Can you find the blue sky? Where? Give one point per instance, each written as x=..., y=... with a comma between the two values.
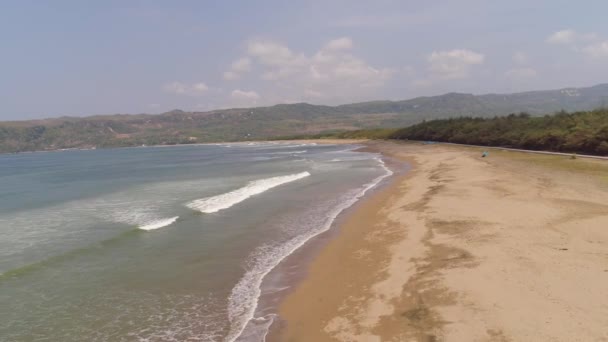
x=102, y=57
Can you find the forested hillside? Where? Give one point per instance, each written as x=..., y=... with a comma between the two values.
x=179, y=127
x=582, y=132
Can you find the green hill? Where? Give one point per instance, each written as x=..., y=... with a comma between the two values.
x=178, y=127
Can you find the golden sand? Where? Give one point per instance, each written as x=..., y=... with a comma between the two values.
x=507, y=248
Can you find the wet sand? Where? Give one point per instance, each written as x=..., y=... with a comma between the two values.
x=513, y=247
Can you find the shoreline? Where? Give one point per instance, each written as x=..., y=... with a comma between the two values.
x=462, y=248
x=266, y=309
x=292, y=270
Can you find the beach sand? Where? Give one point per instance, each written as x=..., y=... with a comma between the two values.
x=513, y=247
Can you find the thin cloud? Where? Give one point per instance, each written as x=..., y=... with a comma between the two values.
x=562, y=37
x=453, y=64
x=569, y=37
x=344, y=43
x=588, y=43
x=333, y=73
x=237, y=68
x=598, y=50
x=180, y=88
x=244, y=95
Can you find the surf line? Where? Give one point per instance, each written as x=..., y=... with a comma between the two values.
x=224, y=201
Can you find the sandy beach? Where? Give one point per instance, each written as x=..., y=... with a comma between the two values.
x=513, y=247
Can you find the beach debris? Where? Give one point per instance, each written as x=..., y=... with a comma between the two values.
x=484, y=154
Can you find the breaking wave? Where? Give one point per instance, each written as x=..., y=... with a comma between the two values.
x=224, y=201
x=155, y=224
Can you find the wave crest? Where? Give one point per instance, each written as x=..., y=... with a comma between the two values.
x=224, y=201
x=155, y=224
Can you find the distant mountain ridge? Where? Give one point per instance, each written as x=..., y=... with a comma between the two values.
x=236, y=124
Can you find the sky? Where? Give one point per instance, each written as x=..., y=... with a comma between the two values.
x=81, y=58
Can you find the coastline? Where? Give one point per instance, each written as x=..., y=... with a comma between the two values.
x=281, y=277
x=292, y=270
x=462, y=249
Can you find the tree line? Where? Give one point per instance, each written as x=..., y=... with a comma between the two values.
x=579, y=132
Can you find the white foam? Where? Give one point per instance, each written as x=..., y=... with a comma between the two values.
x=290, y=152
x=299, y=145
x=224, y=201
x=243, y=300
x=158, y=223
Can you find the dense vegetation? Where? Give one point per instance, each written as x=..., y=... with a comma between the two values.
x=582, y=132
x=179, y=127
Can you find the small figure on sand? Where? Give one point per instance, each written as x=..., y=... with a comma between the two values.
x=484, y=154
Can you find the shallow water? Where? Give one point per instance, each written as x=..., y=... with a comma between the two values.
x=160, y=243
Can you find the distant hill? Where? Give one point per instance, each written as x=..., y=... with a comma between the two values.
x=178, y=127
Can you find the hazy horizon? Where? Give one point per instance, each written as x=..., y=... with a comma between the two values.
x=70, y=58
x=283, y=103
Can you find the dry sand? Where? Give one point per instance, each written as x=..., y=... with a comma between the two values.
x=507, y=248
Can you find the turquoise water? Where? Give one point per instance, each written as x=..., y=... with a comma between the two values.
x=161, y=243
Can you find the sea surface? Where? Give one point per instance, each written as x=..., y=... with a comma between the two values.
x=162, y=243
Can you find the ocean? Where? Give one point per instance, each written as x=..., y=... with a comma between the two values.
x=162, y=243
